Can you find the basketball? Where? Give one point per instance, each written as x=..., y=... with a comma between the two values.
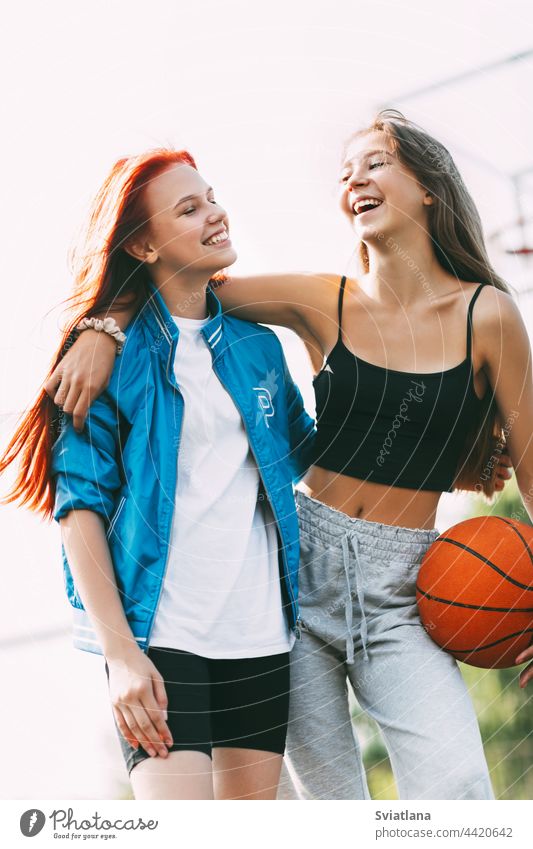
x=475, y=591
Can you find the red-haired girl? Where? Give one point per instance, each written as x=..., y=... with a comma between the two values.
x=176, y=500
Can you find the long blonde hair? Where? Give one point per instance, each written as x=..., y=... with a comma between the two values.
x=456, y=233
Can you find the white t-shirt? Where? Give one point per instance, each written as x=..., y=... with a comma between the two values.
x=221, y=596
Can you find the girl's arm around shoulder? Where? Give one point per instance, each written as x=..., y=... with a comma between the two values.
x=85, y=370
x=304, y=302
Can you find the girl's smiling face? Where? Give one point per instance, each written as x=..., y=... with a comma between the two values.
x=380, y=196
x=186, y=228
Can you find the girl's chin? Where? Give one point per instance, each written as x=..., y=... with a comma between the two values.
x=223, y=258
x=370, y=234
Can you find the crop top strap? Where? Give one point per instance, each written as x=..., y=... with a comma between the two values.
x=341, y=298
x=469, y=321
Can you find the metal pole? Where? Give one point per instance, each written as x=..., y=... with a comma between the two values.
x=458, y=78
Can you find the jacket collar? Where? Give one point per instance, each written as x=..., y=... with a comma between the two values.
x=164, y=329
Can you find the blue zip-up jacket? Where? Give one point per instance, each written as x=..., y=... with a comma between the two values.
x=124, y=463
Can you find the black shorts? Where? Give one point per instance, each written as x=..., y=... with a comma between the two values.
x=241, y=703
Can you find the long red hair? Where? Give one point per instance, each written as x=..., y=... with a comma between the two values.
x=105, y=277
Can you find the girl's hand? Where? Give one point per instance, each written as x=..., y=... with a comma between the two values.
x=527, y=673
x=503, y=472
x=139, y=702
x=82, y=375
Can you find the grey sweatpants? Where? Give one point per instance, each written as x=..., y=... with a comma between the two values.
x=361, y=624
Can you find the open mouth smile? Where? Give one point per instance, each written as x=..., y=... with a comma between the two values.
x=218, y=238
x=365, y=205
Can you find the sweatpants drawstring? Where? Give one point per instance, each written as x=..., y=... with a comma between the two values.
x=359, y=587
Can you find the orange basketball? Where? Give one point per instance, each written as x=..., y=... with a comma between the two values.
x=475, y=591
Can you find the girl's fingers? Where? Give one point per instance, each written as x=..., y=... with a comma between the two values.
x=63, y=390
x=135, y=711
x=52, y=384
x=68, y=394
x=124, y=729
x=135, y=730
x=527, y=654
x=526, y=675
x=159, y=712
x=79, y=413
x=504, y=468
x=153, y=742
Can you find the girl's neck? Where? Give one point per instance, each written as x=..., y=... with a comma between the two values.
x=184, y=295
x=403, y=272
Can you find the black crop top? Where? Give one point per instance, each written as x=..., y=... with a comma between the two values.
x=393, y=427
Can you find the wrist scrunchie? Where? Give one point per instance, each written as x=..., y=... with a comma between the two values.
x=105, y=325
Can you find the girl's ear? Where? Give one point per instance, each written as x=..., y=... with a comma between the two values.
x=141, y=251
x=428, y=199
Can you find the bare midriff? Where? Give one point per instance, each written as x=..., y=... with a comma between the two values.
x=375, y=502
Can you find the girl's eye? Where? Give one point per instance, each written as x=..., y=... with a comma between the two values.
x=344, y=178
x=376, y=164
x=192, y=209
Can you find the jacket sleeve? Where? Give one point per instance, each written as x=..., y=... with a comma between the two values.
x=302, y=430
x=86, y=465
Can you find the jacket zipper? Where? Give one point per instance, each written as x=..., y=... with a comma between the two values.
x=297, y=621
x=171, y=516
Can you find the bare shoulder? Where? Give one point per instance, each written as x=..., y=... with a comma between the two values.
x=321, y=307
x=317, y=289
x=499, y=328
x=496, y=310
x=316, y=297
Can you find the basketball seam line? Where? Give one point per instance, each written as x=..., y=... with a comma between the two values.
x=487, y=561
x=474, y=606
x=490, y=645
x=517, y=532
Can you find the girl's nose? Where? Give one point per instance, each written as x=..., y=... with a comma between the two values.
x=216, y=213
x=357, y=179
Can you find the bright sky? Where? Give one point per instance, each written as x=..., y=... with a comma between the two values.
x=263, y=95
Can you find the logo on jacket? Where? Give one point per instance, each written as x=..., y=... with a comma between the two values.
x=265, y=396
